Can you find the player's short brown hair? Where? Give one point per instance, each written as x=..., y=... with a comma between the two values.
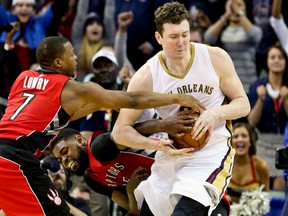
x=171, y=12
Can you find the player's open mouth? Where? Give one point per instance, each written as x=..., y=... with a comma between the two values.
x=73, y=165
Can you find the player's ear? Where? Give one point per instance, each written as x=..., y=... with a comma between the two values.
x=57, y=62
x=158, y=37
x=80, y=139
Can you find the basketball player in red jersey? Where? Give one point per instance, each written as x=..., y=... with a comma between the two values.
x=44, y=101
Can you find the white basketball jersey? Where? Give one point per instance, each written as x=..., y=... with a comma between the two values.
x=199, y=80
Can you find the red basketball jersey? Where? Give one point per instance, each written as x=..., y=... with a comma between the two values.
x=34, y=108
x=117, y=172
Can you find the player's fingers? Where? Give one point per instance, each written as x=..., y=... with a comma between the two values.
x=185, y=112
x=143, y=176
x=178, y=135
x=163, y=143
x=183, y=125
x=199, y=129
x=196, y=130
x=187, y=128
x=201, y=133
x=188, y=120
x=207, y=138
x=141, y=170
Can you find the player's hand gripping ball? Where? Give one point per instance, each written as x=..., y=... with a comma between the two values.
x=187, y=142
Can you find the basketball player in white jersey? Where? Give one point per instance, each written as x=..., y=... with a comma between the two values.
x=187, y=184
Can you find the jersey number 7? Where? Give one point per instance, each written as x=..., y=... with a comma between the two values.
x=28, y=98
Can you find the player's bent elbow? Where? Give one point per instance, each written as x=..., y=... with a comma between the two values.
x=115, y=134
x=247, y=110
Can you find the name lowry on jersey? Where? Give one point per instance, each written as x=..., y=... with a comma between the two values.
x=38, y=83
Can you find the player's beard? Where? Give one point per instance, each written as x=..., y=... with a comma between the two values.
x=83, y=163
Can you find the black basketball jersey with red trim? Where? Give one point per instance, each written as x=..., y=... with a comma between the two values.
x=34, y=110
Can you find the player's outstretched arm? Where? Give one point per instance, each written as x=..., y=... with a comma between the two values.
x=84, y=98
x=175, y=125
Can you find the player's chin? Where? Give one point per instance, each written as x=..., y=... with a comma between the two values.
x=179, y=55
x=74, y=76
x=80, y=170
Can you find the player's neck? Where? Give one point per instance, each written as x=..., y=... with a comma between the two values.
x=177, y=66
x=50, y=70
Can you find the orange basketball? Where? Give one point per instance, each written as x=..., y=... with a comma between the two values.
x=187, y=142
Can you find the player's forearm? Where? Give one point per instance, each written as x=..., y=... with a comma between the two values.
x=237, y=108
x=133, y=204
x=145, y=100
x=89, y=95
x=128, y=136
x=121, y=199
x=148, y=127
x=92, y=94
x=129, y=203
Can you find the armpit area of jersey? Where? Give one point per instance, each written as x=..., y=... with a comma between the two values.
x=103, y=148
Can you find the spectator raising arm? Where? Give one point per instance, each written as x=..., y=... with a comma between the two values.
x=278, y=24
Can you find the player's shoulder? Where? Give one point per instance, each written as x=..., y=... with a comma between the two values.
x=73, y=85
x=221, y=60
x=77, y=86
x=143, y=70
x=217, y=52
x=142, y=79
x=77, y=91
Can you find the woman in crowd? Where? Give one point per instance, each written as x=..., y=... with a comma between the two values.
x=87, y=37
x=246, y=161
x=269, y=107
x=239, y=37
